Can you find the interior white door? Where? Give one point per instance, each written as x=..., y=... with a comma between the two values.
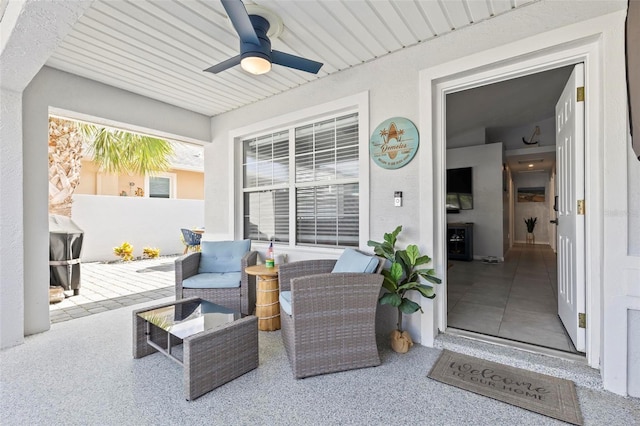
x=570, y=191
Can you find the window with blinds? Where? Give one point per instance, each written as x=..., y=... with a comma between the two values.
x=324, y=184
x=159, y=187
x=266, y=187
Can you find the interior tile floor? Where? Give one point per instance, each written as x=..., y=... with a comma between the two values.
x=515, y=299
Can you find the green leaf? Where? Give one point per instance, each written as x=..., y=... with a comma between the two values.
x=118, y=151
x=390, y=299
x=426, y=291
x=408, y=306
x=422, y=260
x=413, y=253
x=389, y=283
x=431, y=278
x=408, y=286
x=382, y=249
x=403, y=259
x=396, y=272
x=391, y=238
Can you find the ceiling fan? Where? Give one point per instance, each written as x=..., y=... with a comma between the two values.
x=256, y=55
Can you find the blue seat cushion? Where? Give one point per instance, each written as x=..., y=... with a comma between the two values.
x=213, y=280
x=353, y=261
x=222, y=256
x=285, y=301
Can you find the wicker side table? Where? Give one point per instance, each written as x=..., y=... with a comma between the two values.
x=210, y=358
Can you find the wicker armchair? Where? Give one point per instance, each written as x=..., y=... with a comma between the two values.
x=242, y=298
x=332, y=323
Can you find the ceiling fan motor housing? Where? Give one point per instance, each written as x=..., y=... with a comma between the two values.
x=261, y=26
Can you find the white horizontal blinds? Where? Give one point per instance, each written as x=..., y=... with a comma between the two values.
x=265, y=183
x=159, y=187
x=348, y=215
x=266, y=215
x=326, y=171
x=266, y=161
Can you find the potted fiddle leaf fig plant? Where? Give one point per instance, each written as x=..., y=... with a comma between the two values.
x=406, y=274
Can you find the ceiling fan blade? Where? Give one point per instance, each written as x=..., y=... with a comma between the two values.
x=231, y=62
x=293, y=61
x=240, y=20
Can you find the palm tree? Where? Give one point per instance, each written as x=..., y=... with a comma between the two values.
x=65, y=155
x=117, y=151
x=113, y=150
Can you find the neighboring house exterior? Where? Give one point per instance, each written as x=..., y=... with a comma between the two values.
x=184, y=180
x=145, y=211
x=410, y=83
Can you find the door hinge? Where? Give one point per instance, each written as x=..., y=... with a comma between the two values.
x=580, y=94
x=582, y=320
x=581, y=207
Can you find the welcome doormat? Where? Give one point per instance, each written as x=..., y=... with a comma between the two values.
x=536, y=392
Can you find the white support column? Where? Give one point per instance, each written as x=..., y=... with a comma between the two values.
x=28, y=37
x=11, y=221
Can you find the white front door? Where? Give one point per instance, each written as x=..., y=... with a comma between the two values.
x=570, y=192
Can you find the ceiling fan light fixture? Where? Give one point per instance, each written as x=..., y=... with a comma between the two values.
x=255, y=65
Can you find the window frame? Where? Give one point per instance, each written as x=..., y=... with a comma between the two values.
x=173, y=183
x=359, y=104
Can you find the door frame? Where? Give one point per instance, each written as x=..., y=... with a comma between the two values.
x=550, y=50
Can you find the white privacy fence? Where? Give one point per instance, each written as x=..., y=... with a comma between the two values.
x=108, y=221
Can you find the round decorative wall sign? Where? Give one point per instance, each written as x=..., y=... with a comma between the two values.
x=394, y=143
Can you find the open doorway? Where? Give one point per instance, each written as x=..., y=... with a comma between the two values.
x=502, y=280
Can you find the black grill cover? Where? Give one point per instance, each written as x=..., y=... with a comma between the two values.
x=65, y=246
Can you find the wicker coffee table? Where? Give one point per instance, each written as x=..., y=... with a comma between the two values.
x=217, y=344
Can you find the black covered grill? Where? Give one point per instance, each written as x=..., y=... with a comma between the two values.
x=65, y=246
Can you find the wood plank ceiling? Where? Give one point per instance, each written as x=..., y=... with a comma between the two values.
x=158, y=49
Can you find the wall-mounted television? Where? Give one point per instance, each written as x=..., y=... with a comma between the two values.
x=459, y=189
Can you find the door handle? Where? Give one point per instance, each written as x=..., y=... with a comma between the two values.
x=554, y=221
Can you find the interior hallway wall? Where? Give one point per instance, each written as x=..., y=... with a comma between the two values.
x=511, y=137
x=487, y=214
x=506, y=205
x=525, y=210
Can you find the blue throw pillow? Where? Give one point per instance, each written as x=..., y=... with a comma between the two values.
x=222, y=256
x=353, y=261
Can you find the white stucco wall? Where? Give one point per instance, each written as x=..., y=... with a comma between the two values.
x=394, y=88
x=634, y=203
x=633, y=291
x=28, y=37
x=62, y=91
x=487, y=212
x=633, y=353
x=11, y=221
x=393, y=85
x=108, y=221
